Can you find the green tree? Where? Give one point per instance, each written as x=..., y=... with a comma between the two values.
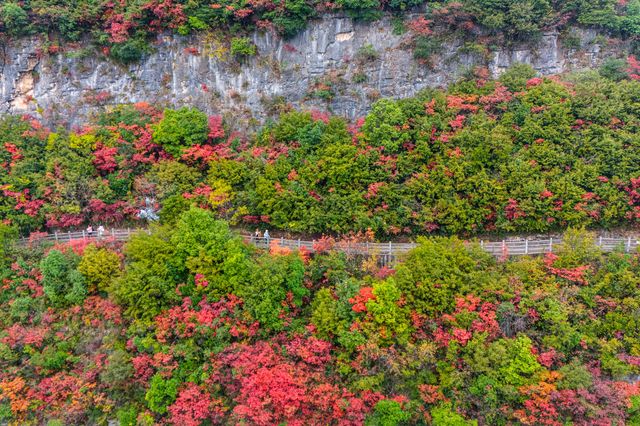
x=438, y=270
x=388, y=413
x=614, y=69
x=150, y=276
x=99, y=267
x=181, y=129
x=325, y=314
x=130, y=51
x=443, y=415
x=8, y=235
x=14, y=18
x=172, y=208
x=382, y=126
x=173, y=178
x=271, y=282
x=390, y=319
x=162, y=393
x=204, y=245
x=62, y=283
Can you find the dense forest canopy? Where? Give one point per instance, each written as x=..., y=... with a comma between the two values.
x=517, y=154
x=124, y=28
x=185, y=324
x=190, y=326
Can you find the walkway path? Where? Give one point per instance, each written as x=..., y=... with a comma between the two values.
x=388, y=250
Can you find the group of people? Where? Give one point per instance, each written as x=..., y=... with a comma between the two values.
x=90, y=231
x=262, y=237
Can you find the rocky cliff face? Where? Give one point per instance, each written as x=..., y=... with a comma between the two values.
x=321, y=68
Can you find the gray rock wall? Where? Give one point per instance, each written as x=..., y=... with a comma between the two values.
x=185, y=71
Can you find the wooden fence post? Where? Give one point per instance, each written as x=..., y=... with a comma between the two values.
x=600, y=241
x=550, y=244
x=56, y=235
x=628, y=244
x=526, y=246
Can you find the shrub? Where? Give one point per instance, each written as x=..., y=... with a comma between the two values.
x=14, y=18
x=571, y=40
x=614, y=69
x=367, y=53
x=425, y=47
x=242, y=47
x=388, y=413
x=161, y=394
x=272, y=279
x=516, y=77
x=173, y=178
x=172, y=209
x=366, y=10
x=443, y=415
x=359, y=78
x=129, y=51
x=118, y=373
x=127, y=416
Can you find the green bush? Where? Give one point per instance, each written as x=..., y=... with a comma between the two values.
x=161, y=393
x=443, y=415
x=366, y=10
x=367, y=53
x=515, y=78
x=243, y=47
x=614, y=69
x=388, y=413
x=118, y=372
x=129, y=51
x=425, y=47
x=14, y=18
x=127, y=416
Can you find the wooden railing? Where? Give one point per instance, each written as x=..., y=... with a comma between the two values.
x=497, y=248
x=65, y=237
x=391, y=250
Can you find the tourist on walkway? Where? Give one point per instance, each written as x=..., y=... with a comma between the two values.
x=257, y=236
x=267, y=237
x=90, y=231
x=100, y=231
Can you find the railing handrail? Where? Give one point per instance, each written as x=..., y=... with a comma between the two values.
x=498, y=248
